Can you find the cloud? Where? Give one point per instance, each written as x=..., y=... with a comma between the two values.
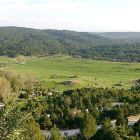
x=7, y=7
x=12, y=2
x=46, y=9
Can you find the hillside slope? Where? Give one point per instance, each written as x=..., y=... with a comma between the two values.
x=25, y=41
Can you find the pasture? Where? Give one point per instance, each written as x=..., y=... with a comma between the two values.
x=55, y=70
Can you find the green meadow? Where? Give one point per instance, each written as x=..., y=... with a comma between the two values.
x=54, y=70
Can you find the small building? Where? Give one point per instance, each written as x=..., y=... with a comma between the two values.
x=50, y=93
x=86, y=111
x=1, y=105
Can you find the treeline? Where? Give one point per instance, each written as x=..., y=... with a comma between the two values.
x=111, y=52
x=24, y=41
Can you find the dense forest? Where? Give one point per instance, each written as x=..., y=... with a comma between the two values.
x=24, y=41
x=15, y=40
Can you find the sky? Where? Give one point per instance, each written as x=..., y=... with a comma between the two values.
x=77, y=15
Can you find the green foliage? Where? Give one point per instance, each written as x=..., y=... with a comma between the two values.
x=37, y=112
x=88, y=127
x=77, y=137
x=125, y=132
x=137, y=127
x=26, y=95
x=106, y=125
x=32, y=131
x=24, y=41
x=31, y=105
x=112, y=135
x=55, y=134
x=45, y=122
x=5, y=90
x=44, y=105
x=121, y=121
x=120, y=113
x=107, y=132
x=15, y=85
x=54, y=118
x=12, y=121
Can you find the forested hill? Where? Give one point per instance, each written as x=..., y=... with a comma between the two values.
x=81, y=37
x=25, y=41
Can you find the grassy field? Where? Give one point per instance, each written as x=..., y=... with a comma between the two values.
x=54, y=70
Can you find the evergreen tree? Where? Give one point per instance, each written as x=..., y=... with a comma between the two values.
x=14, y=85
x=121, y=121
x=88, y=127
x=12, y=121
x=32, y=131
x=55, y=134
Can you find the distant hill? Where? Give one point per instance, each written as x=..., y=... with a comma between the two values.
x=130, y=37
x=120, y=34
x=101, y=46
x=81, y=37
x=26, y=41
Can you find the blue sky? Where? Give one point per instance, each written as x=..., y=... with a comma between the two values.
x=78, y=15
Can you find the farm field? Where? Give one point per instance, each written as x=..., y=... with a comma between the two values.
x=65, y=72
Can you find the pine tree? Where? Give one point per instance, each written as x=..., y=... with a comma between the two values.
x=32, y=131
x=88, y=127
x=55, y=134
